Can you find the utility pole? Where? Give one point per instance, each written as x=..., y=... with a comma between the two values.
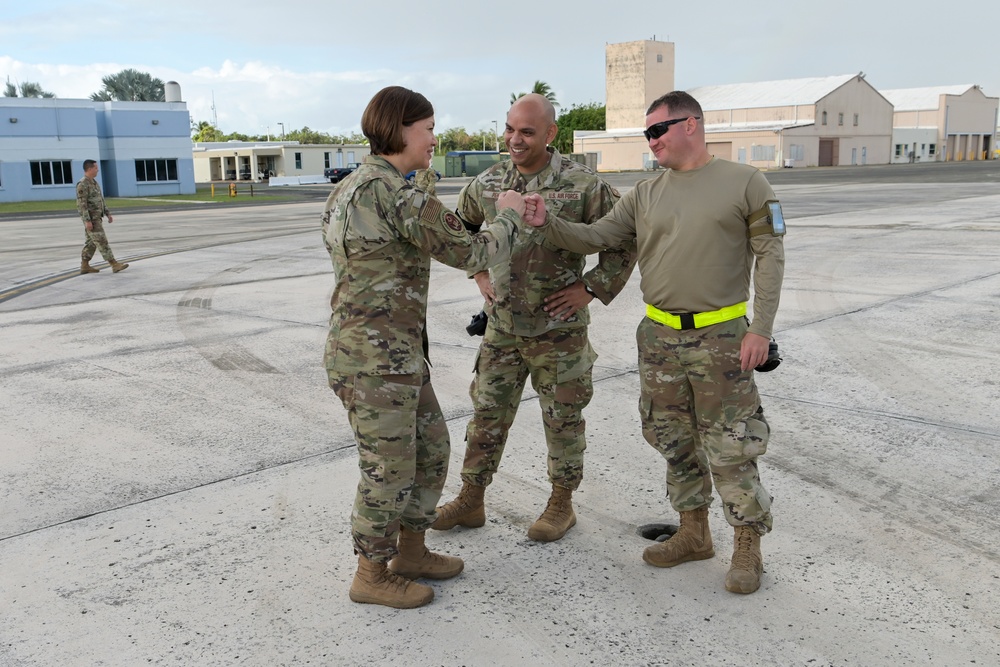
x=496, y=136
x=282, y=131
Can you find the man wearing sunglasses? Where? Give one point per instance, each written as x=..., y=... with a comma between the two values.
x=702, y=227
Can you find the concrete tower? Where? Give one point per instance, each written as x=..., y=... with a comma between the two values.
x=636, y=73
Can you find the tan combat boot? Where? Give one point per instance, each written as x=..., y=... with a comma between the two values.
x=374, y=583
x=466, y=509
x=415, y=560
x=557, y=518
x=85, y=267
x=118, y=266
x=692, y=541
x=747, y=565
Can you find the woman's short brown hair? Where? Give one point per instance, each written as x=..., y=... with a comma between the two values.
x=388, y=112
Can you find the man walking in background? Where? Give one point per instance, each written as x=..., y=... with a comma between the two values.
x=90, y=204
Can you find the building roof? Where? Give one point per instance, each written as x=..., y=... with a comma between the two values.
x=756, y=126
x=786, y=92
x=920, y=99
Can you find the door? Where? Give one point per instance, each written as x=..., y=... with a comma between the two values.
x=826, y=152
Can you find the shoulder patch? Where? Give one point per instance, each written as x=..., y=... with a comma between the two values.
x=453, y=222
x=615, y=192
x=431, y=210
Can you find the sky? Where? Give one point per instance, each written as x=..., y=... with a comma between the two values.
x=316, y=63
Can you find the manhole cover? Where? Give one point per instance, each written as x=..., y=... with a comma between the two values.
x=658, y=532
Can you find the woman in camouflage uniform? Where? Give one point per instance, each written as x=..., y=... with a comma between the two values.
x=381, y=233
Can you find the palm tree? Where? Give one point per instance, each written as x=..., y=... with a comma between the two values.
x=26, y=89
x=540, y=88
x=130, y=85
x=205, y=131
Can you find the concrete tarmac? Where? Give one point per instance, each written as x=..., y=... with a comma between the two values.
x=176, y=477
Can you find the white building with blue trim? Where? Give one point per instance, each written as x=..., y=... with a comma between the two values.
x=142, y=148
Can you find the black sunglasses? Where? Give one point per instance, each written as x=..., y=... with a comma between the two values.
x=657, y=130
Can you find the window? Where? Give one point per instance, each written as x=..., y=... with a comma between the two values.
x=824, y=118
x=659, y=57
x=931, y=148
x=56, y=172
x=326, y=160
x=797, y=152
x=298, y=160
x=148, y=171
x=762, y=153
x=899, y=150
x=840, y=119
x=855, y=120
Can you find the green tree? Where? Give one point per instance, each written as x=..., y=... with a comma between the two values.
x=26, y=89
x=542, y=89
x=205, y=131
x=130, y=85
x=308, y=136
x=591, y=116
x=454, y=139
x=457, y=139
x=352, y=138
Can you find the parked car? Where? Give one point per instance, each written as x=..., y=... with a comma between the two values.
x=413, y=174
x=336, y=174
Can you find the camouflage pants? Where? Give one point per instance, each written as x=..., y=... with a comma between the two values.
x=699, y=410
x=559, y=363
x=403, y=450
x=96, y=241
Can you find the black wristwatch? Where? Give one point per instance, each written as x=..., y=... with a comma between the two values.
x=589, y=291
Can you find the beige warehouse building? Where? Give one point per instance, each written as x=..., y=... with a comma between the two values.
x=943, y=123
x=818, y=121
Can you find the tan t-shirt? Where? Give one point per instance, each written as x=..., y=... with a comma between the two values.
x=694, y=251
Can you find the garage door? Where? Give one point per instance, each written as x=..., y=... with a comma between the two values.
x=826, y=152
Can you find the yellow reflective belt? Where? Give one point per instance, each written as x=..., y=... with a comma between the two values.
x=699, y=319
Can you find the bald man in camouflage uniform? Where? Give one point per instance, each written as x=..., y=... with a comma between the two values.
x=91, y=206
x=538, y=317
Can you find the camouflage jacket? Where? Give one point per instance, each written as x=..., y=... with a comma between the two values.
x=537, y=267
x=426, y=180
x=381, y=233
x=89, y=200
